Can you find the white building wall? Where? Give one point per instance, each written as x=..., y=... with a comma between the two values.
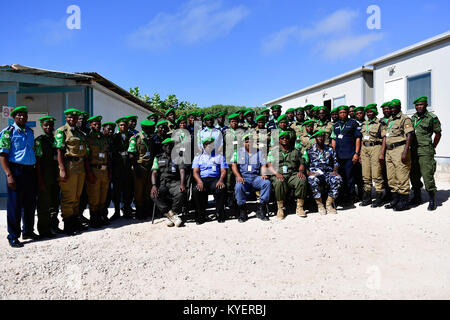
x=435, y=58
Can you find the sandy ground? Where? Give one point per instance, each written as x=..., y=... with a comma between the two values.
x=360, y=253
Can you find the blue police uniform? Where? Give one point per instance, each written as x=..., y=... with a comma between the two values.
x=345, y=133
x=250, y=169
x=18, y=145
x=211, y=133
x=322, y=163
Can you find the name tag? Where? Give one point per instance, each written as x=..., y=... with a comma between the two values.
x=249, y=168
x=124, y=153
x=340, y=136
x=318, y=171
x=214, y=167
x=147, y=154
x=285, y=169
x=174, y=169
x=124, y=137
x=183, y=149
x=101, y=155
x=366, y=137
x=81, y=147
x=235, y=142
x=262, y=145
x=387, y=134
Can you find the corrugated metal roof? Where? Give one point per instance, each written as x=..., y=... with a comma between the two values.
x=321, y=84
x=423, y=44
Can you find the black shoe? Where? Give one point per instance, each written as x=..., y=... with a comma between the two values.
x=199, y=220
x=417, y=198
x=261, y=212
x=243, y=216
x=49, y=235
x=56, y=230
x=432, y=202
x=367, y=199
x=83, y=220
x=115, y=216
x=30, y=236
x=378, y=201
x=387, y=196
x=402, y=204
x=15, y=243
x=393, y=203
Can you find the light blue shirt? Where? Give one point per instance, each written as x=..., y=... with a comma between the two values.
x=209, y=164
x=214, y=133
x=250, y=164
x=21, y=147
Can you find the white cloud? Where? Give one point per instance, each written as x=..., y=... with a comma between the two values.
x=52, y=32
x=197, y=20
x=332, y=36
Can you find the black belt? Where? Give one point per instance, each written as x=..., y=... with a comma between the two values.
x=23, y=166
x=73, y=158
x=395, y=145
x=371, y=144
x=99, y=166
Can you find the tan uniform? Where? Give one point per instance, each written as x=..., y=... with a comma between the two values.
x=99, y=162
x=74, y=148
x=397, y=171
x=372, y=138
x=325, y=126
x=306, y=142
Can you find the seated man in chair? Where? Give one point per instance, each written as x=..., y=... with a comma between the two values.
x=247, y=171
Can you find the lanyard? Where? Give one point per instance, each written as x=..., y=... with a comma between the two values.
x=182, y=136
x=342, y=128
x=416, y=123
x=284, y=156
x=145, y=143
x=368, y=129
x=390, y=126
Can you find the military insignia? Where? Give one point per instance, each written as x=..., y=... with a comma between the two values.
x=6, y=135
x=407, y=126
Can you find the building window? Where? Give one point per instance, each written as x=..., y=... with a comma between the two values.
x=418, y=86
x=340, y=101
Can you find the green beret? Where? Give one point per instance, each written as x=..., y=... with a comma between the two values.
x=19, y=109
x=95, y=118
x=421, y=99
x=265, y=110
x=232, y=116
x=151, y=114
x=396, y=103
x=320, y=133
x=247, y=136
x=242, y=110
x=261, y=117
x=334, y=110
x=72, y=111
x=284, y=133
x=386, y=104
x=168, y=140
x=308, y=106
x=84, y=114
x=312, y=122
x=276, y=106
x=360, y=108
x=290, y=110
x=249, y=112
x=219, y=114
x=123, y=119
x=112, y=124
x=208, y=116
x=132, y=117
x=300, y=109
x=162, y=122
x=208, y=140
x=282, y=117
x=372, y=107
x=47, y=118
x=181, y=118
x=318, y=108
x=194, y=114
x=314, y=108
x=169, y=111
x=147, y=123
x=343, y=107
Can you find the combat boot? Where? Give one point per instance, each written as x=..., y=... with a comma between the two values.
x=280, y=212
x=261, y=212
x=432, y=201
x=140, y=213
x=387, y=195
x=320, y=206
x=330, y=205
x=299, y=211
x=367, y=199
x=378, y=201
x=393, y=203
x=69, y=226
x=417, y=198
x=94, y=220
x=243, y=216
x=54, y=224
x=402, y=204
x=116, y=214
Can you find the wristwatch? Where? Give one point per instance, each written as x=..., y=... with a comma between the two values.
x=357, y=153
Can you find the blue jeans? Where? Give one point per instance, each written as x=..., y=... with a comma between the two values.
x=21, y=202
x=256, y=183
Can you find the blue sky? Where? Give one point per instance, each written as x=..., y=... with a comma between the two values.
x=213, y=52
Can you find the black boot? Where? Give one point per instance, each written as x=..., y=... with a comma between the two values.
x=393, y=203
x=140, y=213
x=94, y=221
x=261, y=212
x=402, y=204
x=54, y=224
x=367, y=199
x=378, y=200
x=417, y=198
x=387, y=195
x=70, y=226
x=199, y=217
x=104, y=217
x=116, y=214
x=243, y=216
x=432, y=201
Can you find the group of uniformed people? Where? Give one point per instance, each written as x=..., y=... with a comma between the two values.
x=173, y=164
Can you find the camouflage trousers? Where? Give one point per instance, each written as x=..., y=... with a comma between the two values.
x=334, y=183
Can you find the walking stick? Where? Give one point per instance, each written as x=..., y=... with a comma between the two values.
x=153, y=214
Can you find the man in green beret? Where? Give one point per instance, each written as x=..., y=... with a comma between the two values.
x=18, y=159
x=249, y=118
x=299, y=116
x=209, y=131
x=351, y=111
x=47, y=174
x=386, y=115
x=290, y=114
x=398, y=139
x=153, y=117
x=306, y=140
x=260, y=134
x=122, y=175
x=84, y=128
x=169, y=184
x=241, y=116
x=372, y=130
x=357, y=168
x=99, y=173
x=72, y=149
x=108, y=132
x=220, y=117
x=142, y=152
x=83, y=123
x=283, y=125
x=161, y=134
x=334, y=114
x=132, y=123
x=323, y=123
x=266, y=112
x=285, y=163
x=423, y=150
x=276, y=113
x=171, y=117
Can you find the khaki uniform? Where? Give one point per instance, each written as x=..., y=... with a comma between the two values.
x=143, y=148
x=306, y=141
x=299, y=132
x=398, y=172
x=99, y=162
x=74, y=147
x=372, y=133
x=325, y=126
x=422, y=151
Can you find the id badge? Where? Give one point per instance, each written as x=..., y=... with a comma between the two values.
x=262, y=145
x=235, y=142
x=174, y=169
x=387, y=134
x=147, y=154
x=214, y=167
x=101, y=155
x=182, y=149
x=285, y=169
x=249, y=168
x=366, y=137
x=81, y=147
x=340, y=136
x=124, y=153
